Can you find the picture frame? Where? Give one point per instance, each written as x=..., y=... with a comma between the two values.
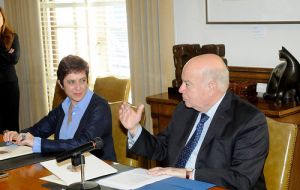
x=252, y=11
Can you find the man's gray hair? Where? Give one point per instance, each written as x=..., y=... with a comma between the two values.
x=220, y=75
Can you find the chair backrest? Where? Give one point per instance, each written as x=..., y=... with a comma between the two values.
x=278, y=165
x=112, y=89
x=120, y=140
x=59, y=95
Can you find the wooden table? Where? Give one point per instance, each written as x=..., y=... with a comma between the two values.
x=24, y=178
x=28, y=178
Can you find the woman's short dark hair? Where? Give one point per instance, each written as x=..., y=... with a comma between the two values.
x=71, y=64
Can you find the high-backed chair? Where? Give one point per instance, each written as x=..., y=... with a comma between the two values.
x=120, y=139
x=280, y=172
x=182, y=53
x=59, y=95
x=112, y=89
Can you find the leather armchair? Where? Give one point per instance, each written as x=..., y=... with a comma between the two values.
x=59, y=95
x=282, y=164
x=112, y=89
x=120, y=139
x=182, y=53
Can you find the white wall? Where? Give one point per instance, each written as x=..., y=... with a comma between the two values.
x=246, y=44
x=2, y=3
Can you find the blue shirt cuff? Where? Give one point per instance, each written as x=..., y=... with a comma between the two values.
x=36, y=144
x=131, y=139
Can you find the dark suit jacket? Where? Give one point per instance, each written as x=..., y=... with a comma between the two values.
x=95, y=122
x=233, y=151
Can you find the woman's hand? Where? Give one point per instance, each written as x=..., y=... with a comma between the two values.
x=25, y=139
x=18, y=138
x=11, y=50
x=10, y=136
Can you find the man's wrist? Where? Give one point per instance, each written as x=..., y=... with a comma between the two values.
x=133, y=139
x=135, y=130
x=132, y=132
x=188, y=173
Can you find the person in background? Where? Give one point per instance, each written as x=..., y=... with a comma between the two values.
x=213, y=136
x=10, y=94
x=80, y=118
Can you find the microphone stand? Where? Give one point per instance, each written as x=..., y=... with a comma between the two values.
x=77, y=160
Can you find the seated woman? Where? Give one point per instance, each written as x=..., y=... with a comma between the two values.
x=80, y=118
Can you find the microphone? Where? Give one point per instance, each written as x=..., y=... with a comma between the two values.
x=96, y=143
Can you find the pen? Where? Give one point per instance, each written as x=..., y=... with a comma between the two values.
x=23, y=136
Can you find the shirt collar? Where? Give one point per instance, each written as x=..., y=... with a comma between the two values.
x=82, y=104
x=211, y=112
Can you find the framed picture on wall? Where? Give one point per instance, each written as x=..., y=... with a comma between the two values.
x=252, y=11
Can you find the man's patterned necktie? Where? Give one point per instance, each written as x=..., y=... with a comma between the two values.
x=190, y=146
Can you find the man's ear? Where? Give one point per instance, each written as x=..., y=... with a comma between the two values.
x=212, y=85
x=61, y=86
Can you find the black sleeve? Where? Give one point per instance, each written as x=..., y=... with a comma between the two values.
x=11, y=58
x=47, y=125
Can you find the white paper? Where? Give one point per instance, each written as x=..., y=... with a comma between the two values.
x=13, y=150
x=54, y=179
x=131, y=179
x=94, y=167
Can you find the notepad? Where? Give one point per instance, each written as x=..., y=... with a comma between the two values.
x=11, y=151
x=65, y=174
x=131, y=179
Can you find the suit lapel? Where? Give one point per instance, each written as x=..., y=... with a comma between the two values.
x=220, y=119
x=60, y=114
x=84, y=117
x=184, y=133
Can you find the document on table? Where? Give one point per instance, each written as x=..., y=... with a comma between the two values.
x=12, y=150
x=131, y=179
x=66, y=174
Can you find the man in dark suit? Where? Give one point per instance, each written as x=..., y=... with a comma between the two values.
x=232, y=145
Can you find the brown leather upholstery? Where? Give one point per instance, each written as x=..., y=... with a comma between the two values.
x=59, y=95
x=218, y=49
x=112, y=89
x=182, y=53
x=280, y=159
x=120, y=140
